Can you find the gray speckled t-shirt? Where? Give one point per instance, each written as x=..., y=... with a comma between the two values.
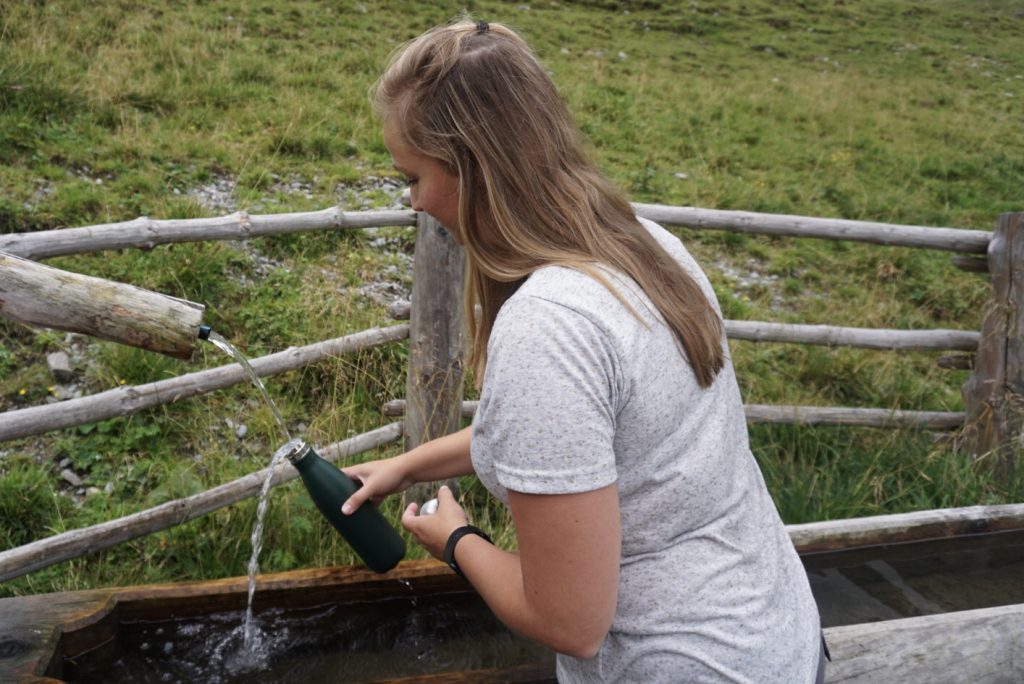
x=579, y=394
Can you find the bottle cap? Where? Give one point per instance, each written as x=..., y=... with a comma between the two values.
x=296, y=450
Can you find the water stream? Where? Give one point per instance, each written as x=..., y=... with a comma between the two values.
x=251, y=637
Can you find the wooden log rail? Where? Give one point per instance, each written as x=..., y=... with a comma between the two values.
x=865, y=338
x=123, y=401
x=799, y=415
x=146, y=233
x=947, y=239
x=74, y=543
x=936, y=339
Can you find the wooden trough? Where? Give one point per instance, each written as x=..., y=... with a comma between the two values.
x=72, y=636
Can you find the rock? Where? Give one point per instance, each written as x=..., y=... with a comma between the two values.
x=65, y=392
x=60, y=366
x=92, y=491
x=64, y=463
x=69, y=476
x=108, y=488
x=242, y=431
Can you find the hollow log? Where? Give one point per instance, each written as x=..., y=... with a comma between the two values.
x=124, y=401
x=800, y=415
x=48, y=297
x=949, y=239
x=146, y=233
x=74, y=543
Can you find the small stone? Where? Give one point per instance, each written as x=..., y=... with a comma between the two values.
x=64, y=463
x=230, y=423
x=681, y=176
x=301, y=428
x=92, y=491
x=71, y=478
x=60, y=366
x=242, y=431
x=64, y=392
x=108, y=488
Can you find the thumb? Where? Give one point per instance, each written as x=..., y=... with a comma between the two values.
x=445, y=495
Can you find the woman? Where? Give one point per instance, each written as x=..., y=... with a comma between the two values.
x=610, y=420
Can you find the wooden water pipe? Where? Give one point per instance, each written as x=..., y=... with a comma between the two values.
x=44, y=296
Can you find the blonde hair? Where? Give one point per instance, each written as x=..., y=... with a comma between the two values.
x=473, y=96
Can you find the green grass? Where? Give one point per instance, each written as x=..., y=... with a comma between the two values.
x=862, y=109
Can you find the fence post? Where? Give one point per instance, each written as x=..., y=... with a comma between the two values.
x=436, y=335
x=994, y=393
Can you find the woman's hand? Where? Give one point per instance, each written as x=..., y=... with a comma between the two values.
x=378, y=479
x=432, y=531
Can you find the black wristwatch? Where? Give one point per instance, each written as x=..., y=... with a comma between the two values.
x=453, y=539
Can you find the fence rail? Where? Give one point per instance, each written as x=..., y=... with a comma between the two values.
x=124, y=401
x=798, y=415
x=146, y=233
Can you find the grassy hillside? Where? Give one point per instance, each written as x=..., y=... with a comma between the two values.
x=905, y=112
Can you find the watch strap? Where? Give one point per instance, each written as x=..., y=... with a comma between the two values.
x=453, y=539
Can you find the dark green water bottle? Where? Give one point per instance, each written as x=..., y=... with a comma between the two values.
x=366, y=530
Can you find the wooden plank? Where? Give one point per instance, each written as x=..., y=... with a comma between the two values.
x=126, y=400
x=48, y=297
x=39, y=554
x=32, y=628
x=799, y=415
x=977, y=646
x=950, y=239
x=146, y=233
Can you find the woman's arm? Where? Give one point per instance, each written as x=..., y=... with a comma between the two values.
x=438, y=459
x=562, y=587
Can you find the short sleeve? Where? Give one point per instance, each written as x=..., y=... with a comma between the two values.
x=547, y=409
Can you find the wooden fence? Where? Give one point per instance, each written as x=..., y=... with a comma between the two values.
x=433, y=404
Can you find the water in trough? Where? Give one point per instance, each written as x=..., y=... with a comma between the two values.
x=405, y=635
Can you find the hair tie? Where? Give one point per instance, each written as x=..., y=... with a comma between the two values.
x=482, y=26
